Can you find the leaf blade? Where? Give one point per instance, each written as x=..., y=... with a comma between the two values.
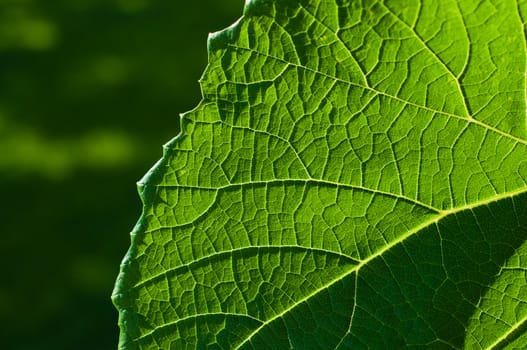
x=348, y=167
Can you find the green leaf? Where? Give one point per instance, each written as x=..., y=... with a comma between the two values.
x=355, y=177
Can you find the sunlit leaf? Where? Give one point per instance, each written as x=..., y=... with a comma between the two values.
x=354, y=177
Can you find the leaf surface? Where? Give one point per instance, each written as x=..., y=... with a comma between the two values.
x=354, y=177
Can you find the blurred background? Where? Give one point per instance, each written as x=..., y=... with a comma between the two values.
x=89, y=92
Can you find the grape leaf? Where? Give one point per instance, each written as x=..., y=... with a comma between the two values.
x=354, y=177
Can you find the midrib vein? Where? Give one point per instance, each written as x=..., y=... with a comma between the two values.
x=359, y=263
x=511, y=331
x=344, y=275
x=379, y=253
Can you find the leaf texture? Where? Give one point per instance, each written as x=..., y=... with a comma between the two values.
x=354, y=177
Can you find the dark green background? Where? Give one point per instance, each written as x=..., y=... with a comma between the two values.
x=89, y=91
